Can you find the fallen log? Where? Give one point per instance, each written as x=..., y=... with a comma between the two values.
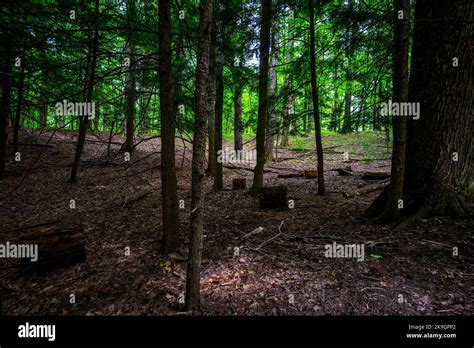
x=274, y=197
x=32, y=144
x=239, y=184
x=230, y=166
x=291, y=175
x=375, y=175
x=344, y=172
x=363, y=190
x=58, y=245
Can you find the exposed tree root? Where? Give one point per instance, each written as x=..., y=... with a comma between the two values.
x=439, y=202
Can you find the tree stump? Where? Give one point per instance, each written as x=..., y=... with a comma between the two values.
x=310, y=174
x=239, y=184
x=274, y=197
x=59, y=244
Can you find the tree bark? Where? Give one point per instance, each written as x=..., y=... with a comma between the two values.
x=346, y=122
x=168, y=128
x=83, y=121
x=400, y=94
x=211, y=124
x=238, y=144
x=199, y=153
x=19, y=103
x=262, y=94
x=435, y=183
x=315, y=97
x=130, y=93
x=6, y=92
x=219, y=106
x=272, y=95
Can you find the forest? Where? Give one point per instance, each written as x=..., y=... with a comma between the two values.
x=236, y=157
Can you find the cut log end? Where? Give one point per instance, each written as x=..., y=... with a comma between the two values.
x=59, y=245
x=239, y=184
x=274, y=197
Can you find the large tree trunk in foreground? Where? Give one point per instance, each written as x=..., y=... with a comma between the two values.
x=400, y=94
x=193, y=297
x=262, y=94
x=83, y=121
x=435, y=183
x=6, y=94
x=315, y=97
x=168, y=127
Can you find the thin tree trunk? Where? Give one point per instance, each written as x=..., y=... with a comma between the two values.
x=335, y=108
x=272, y=94
x=219, y=110
x=168, y=127
x=211, y=166
x=309, y=130
x=262, y=94
x=146, y=96
x=238, y=144
x=83, y=121
x=193, y=297
x=6, y=92
x=315, y=95
x=347, y=121
x=130, y=96
x=400, y=94
x=19, y=103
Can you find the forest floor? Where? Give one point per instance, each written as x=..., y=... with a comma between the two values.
x=279, y=271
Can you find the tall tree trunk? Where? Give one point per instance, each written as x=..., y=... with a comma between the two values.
x=211, y=96
x=6, y=91
x=193, y=297
x=130, y=96
x=434, y=180
x=347, y=121
x=272, y=94
x=130, y=93
x=309, y=114
x=219, y=110
x=400, y=94
x=335, y=108
x=83, y=121
x=44, y=100
x=439, y=152
x=262, y=94
x=146, y=96
x=238, y=144
x=19, y=104
x=315, y=97
x=168, y=127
